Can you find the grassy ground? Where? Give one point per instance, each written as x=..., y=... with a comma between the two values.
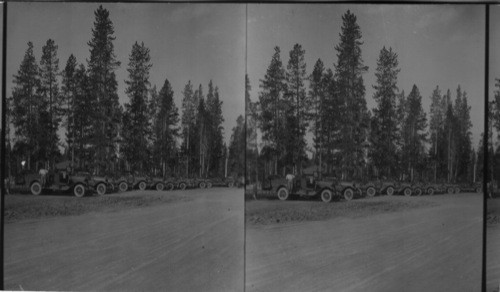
x=22, y=207
x=268, y=211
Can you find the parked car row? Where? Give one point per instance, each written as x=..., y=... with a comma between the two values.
x=327, y=188
x=80, y=183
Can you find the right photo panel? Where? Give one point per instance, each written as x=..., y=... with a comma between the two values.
x=493, y=198
x=364, y=159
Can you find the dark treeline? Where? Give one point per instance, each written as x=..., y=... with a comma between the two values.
x=493, y=171
x=145, y=135
x=397, y=139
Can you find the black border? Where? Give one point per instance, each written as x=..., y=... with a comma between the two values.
x=2, y=153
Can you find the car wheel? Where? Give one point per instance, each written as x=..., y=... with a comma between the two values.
x=478, y=190
x=407, y=192
x=36, y=188
x=142, y=186
x=170, y=186
x=202, y=185
x=370, y=192
x=348, y=194
x=182, y=186
x=123, y=186
x=449, y=190
x=430, y=191
x=326, y=196
x=79, y=190
x=101, y=189
x=457, y=190
x=390, y=191
x=159, y=187
x=230, y=184
x=209, y=185
x=418, y=192
x=283, y=194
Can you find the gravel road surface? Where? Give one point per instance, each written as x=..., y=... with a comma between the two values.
x=434, y=248
x=192, y=245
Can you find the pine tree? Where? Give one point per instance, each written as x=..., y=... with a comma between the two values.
x=101, y=71
x=26, y=104
x=298, y=113
x=462, y=137
x=69, y=92
x=436, y=129
x=49, y=91
x=166, y=130
x=350, y=87
x=415, y=136
x=383, y=135
x=188, y=124
x=202, y=133
x=317, y=97
x=236, y=155
x=136, y=126
x=215, y=131
x=272, y=105
x=252, y=150
x=401, y=115
x=331, y=134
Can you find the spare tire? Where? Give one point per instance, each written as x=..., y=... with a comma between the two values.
x=36, y=188
x=123, y=186
x=348, y=194
x=326, y=196
x=370, y=192
x=283, y=194
x=160, y=186
x=79, y=190
x=101, y=189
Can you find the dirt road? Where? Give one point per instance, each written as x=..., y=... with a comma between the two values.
x=434, y=248
x=492, y=246
x=194, y=245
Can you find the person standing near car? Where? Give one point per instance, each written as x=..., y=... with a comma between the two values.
x=289, y=178
x=43, y=174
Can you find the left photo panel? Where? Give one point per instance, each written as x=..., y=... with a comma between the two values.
x=124, y=138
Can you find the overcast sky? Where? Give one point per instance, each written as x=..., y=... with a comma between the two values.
x=437, y=45
x=494, y=47
x=196, y=42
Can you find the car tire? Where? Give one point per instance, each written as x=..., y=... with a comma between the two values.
x=142, y=186
x=326, y=196
x=36, y=188
x=283, y=194
x=370, y=192
x=79, y=190
x=479, y=190
x=160, y=187
x=449, y=190
x=348, y=194
x=389, y=191
x=418, y=192
x=230, y=184
x=430, y=191
x=209, y=185
x=170, y=186
x=123, y=186
x=101, y=189
x=457, y=190
x=182, y=186
x=202, y=185
x=407, y=192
